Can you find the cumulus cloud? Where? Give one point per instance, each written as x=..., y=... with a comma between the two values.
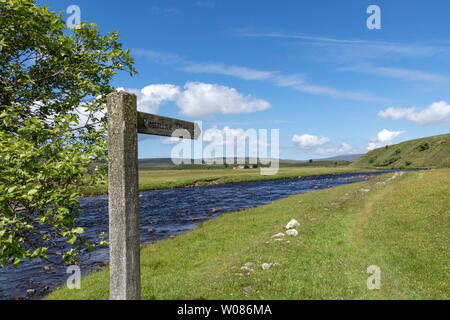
x=320, y=145
x=384, y=138
x=307, y=141
x=151, y=97
x=197, y=99
x=201, y=99
x=438, y=112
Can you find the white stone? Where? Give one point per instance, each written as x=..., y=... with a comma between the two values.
x=292, y=224
x=292, y=232
x=278, y=235
x=248, y=264
x=246, y=269
x=276, y=264
x=266, y=266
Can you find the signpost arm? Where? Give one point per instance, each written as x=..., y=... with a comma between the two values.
x=124, y=242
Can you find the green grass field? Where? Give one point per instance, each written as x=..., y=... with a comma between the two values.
x=163, y=179
x=400, y=226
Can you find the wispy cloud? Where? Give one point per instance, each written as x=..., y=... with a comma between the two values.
x=166, y=11
x=404, y=74
x=246, y=32
x=298, y=82
x=229, y=70
x=301, y=84
x=354, y=47
x=206, y=4
x=159, y=56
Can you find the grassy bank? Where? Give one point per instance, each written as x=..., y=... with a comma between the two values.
x=429, y=152
x=164, y=179
x=400, y=225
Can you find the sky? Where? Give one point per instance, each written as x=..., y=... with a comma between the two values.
x=311, y=69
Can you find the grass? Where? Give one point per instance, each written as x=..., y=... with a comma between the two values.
x=400, y=226
x=430, y=152
x=164, y=179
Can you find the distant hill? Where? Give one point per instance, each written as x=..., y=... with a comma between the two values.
x=430, y=152
x=167, y=164
x=346, y=157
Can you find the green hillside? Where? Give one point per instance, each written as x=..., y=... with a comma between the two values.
x=430, y=152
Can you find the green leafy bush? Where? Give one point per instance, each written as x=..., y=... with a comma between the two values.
x=48, y=74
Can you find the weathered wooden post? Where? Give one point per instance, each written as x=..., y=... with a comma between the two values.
x=124, y=124
x=124, y=243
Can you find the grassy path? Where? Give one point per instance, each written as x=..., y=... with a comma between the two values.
x=401, y=226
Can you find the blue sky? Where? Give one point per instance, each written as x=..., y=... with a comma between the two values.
x=311, y=69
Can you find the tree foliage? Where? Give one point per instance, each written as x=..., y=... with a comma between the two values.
x=53, y=86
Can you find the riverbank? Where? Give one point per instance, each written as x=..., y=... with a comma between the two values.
x=168, y=179
x=398, y=224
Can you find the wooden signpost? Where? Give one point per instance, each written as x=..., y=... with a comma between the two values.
x=124, y=124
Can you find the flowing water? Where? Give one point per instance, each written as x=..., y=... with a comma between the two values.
x=162, y=213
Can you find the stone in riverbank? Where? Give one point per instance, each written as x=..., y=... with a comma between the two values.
x=266, y=266
x=292, y=232
x=278, y=235
x=292, y=224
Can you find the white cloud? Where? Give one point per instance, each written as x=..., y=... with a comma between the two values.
x=151, y=97
x=298, y=82
x=384, y=138
x=206, y=4
x=197, y=99
x=201, y=99
x=229, y=70
x=293, y=81
x=320, y=145
x=307, y=141
x=395, y=113
x=159, y=56
x=167, y=11
x=85, y=116
x=438, y=112
x=405, y=74
x=352, y=47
